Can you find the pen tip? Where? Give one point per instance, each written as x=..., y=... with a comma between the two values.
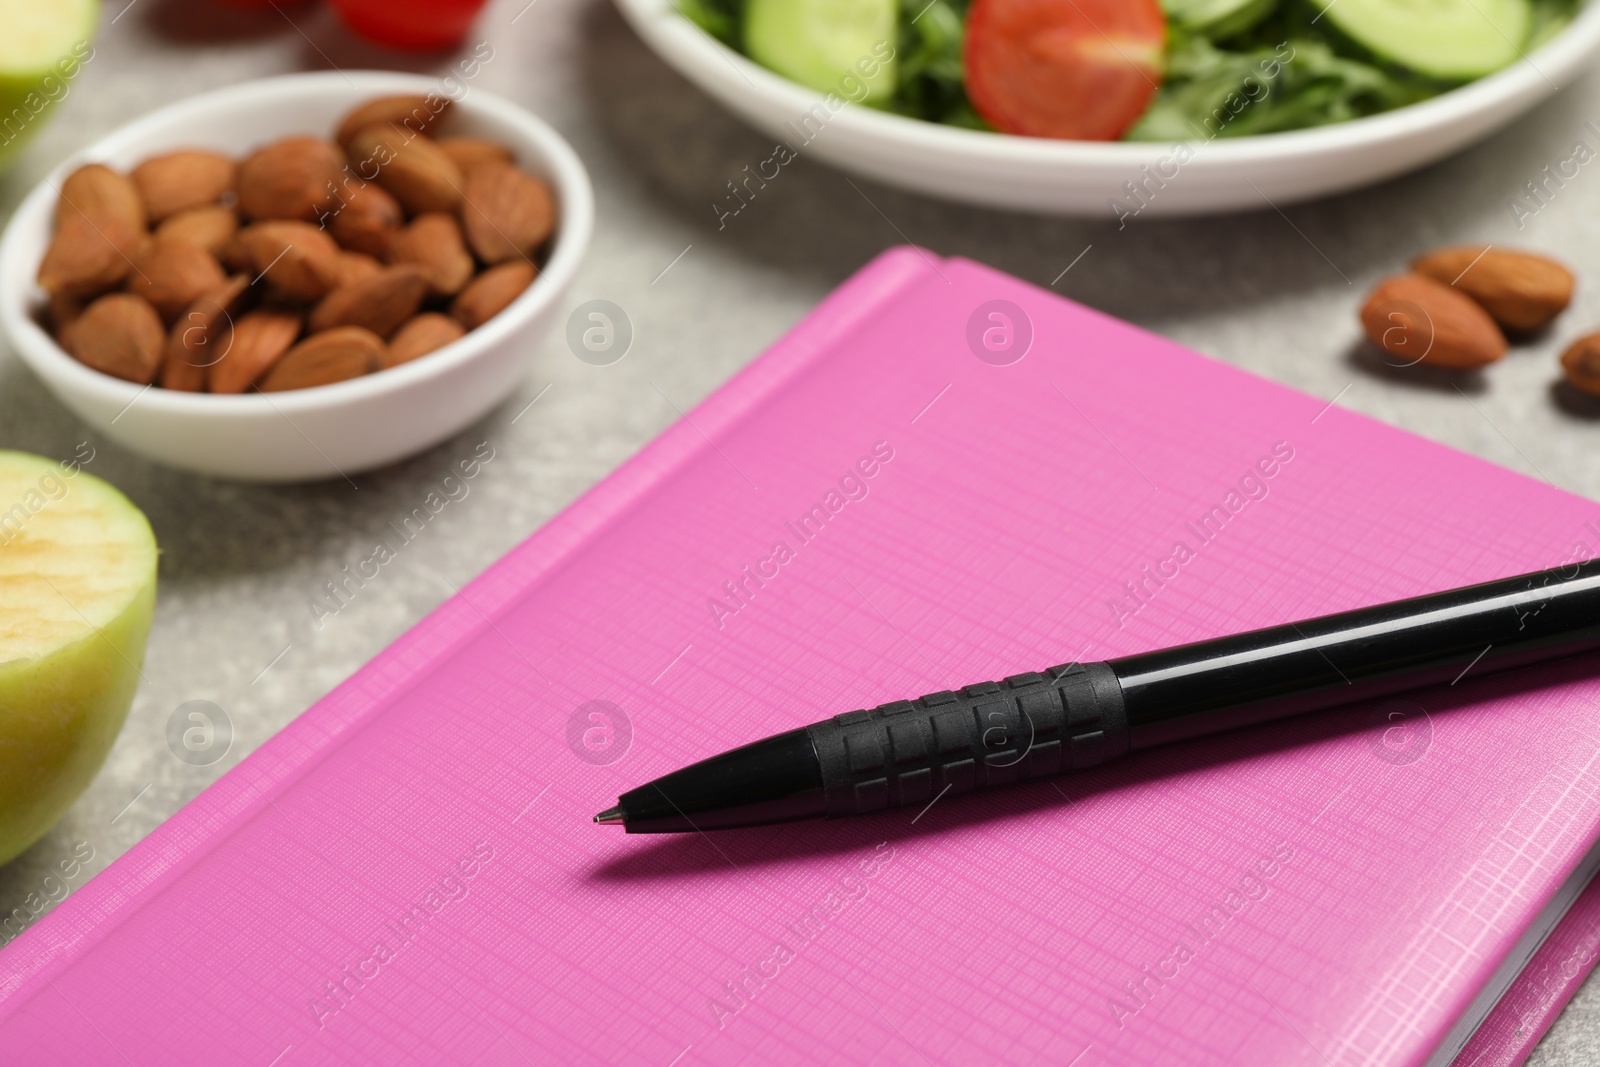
x=609, y=816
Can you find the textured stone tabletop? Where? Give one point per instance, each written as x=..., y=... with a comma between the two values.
x=243, y=566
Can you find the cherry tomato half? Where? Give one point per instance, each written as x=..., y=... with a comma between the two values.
x=1074, y=69
x=413, y=25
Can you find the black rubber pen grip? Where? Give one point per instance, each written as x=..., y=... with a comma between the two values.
x=993, y=733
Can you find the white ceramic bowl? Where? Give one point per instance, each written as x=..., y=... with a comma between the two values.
x=331, y=430
x=1082, y=177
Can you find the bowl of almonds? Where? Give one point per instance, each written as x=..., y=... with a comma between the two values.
x=297, y=278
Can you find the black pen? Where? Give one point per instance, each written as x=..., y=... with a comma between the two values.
x=910, y=752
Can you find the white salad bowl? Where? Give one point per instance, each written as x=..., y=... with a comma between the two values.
x=330, y=430
x=1087, y=177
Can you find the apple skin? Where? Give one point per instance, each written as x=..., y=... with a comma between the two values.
x=27, y=97
x=58, y=718
x=60, y=712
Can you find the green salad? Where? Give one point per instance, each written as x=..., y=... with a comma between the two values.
x=1161, y=70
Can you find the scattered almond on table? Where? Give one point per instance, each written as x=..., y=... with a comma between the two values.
x=1520, y=291
x=1581, y=363
x=1459, y=304
x=1421, y=320
x=310, y=261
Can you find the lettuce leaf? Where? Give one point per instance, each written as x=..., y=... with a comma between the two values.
x=1211, y=92
x=722, y=19
x=931, y=85
x=1288, y=70
x=1235, y=68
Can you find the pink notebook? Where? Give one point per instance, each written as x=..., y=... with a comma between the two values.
x=942, y=475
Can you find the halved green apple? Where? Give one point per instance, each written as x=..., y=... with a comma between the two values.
x=43, y=44
x=77, y=589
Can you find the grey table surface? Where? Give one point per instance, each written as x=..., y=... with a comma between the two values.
x=1271, y=292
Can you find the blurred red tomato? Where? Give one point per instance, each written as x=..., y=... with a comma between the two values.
x=1076, y=69
x=414, y=25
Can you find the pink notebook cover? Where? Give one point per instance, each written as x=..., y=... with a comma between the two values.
x=1523, y=1015
x=408, y=873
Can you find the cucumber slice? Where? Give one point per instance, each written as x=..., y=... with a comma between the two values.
x=1454, y=39
x=839, y=46
x=77, y=588
x=42, y=45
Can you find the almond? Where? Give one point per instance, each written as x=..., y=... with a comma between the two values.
x=423, y=334
x=209, y=227
x=181, y=376
x=83, y=262
x=195, y=340
x=172, y=275
x=99, y=226
x=1522, y=292
x=418, y=114
x=492, y=291
x=355, y=267
x=121, y=335
x=180, y=180
x=297, y=259
x=235, y=256
x=507, y=213
x=1581, y=362
x=378, y=304
x=1420, y=320
x=289, y=179
x=468, y=152
x=60, y=315
x=102, y=195
x=366, y=219
x=334, y=355
x=433, y=242
x=250, y=347
x=408, y=165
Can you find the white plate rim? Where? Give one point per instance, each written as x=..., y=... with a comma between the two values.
x=718, y=68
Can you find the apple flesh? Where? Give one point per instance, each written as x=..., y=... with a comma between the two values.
x=43, y=45
x=77, y=590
